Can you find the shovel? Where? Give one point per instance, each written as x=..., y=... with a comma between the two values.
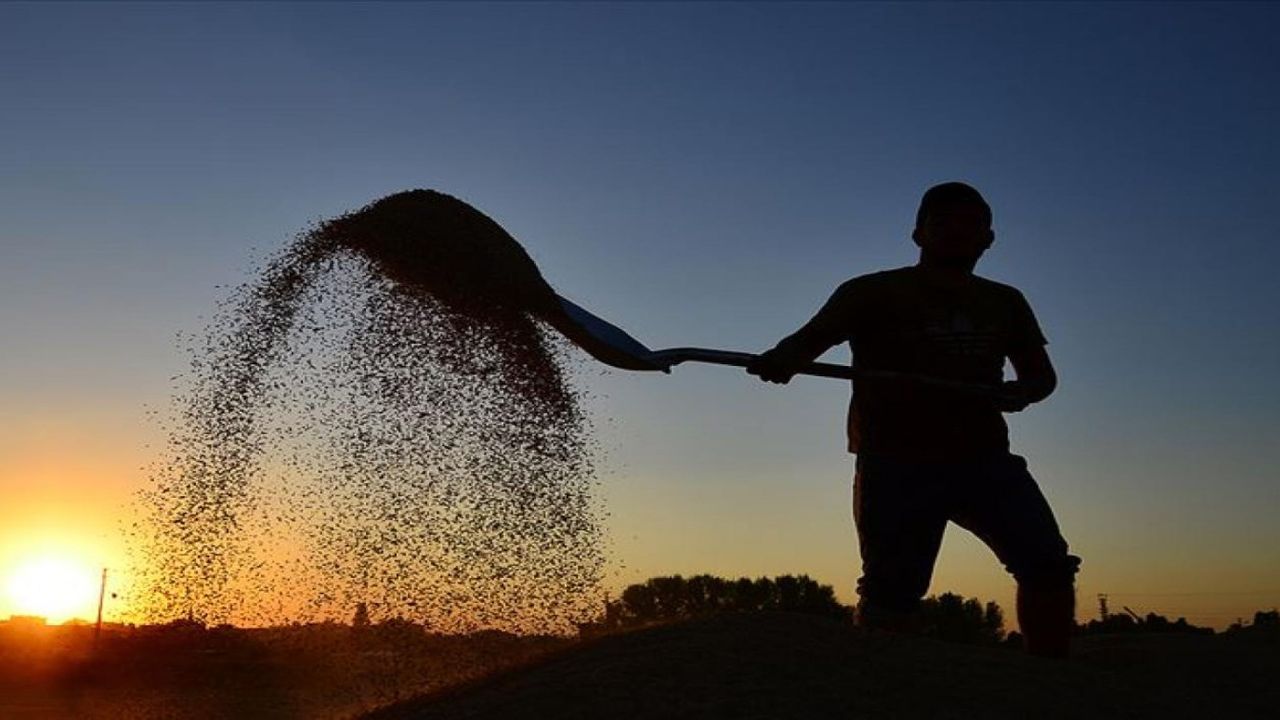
x=613, y=346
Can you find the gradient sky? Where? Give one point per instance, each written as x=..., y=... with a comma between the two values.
x=700, y=175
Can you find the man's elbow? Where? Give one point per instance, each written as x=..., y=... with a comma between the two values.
x=1035, y=373
x=1042, y=387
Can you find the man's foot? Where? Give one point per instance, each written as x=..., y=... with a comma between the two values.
x=1047, y=617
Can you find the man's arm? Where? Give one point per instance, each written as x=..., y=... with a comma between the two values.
x=1036, y=379
x=827, y=328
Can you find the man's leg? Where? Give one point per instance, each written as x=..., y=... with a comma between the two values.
x=900, y=515
x=1000, y=502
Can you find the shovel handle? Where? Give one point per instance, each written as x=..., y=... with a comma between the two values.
x=675, y=356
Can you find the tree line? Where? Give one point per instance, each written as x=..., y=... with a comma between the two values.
x=673, y=598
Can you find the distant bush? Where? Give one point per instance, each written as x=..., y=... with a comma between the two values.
x=1265, y=622
x=1130, y=622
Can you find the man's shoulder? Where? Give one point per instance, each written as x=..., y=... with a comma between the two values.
x=890, y=275
x=878, y=279
x=896, y=281
x=997, y=289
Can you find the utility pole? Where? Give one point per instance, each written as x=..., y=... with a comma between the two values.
x=1102, y=606
x=102, y=594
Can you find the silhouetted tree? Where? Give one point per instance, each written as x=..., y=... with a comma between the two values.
x=361, y=618
x=664, y=599
x=669, y=595
x=637, y=605
x=747, y=594
x=993, y=618
x=397, y=629
x=951, y=617
x=1270, y=619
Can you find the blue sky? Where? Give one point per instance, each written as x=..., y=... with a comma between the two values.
x=700, y=175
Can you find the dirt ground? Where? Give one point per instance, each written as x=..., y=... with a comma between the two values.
x=792, y=666
x=747, y=666
x=319, y=672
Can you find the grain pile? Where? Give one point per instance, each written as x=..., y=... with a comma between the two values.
x=379, y=419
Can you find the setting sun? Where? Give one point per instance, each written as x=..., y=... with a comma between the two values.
x=56, y=588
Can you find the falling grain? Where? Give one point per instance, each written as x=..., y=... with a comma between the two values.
x=378, y=418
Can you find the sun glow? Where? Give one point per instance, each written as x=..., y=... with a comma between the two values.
x=56, y=588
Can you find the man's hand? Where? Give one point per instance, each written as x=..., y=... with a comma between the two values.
x=773, y=366
x=1012, y=397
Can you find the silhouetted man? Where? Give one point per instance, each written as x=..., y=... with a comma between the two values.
x=926, y=453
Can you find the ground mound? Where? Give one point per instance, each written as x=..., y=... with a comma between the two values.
x=793, y=666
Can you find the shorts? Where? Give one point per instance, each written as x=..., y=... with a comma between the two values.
x=901, y=508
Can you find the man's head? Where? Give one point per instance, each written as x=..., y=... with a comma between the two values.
x=953, y=226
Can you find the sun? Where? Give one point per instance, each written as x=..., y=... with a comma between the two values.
x=55, y=588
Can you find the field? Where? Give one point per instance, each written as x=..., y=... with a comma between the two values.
x=794, y=666
x=756, y=665
x=185, y=671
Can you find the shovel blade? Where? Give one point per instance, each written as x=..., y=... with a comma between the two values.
x=600, y=339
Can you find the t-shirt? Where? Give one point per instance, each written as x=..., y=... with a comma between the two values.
x=916, y=321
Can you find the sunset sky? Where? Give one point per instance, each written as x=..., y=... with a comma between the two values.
x=700, y=175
